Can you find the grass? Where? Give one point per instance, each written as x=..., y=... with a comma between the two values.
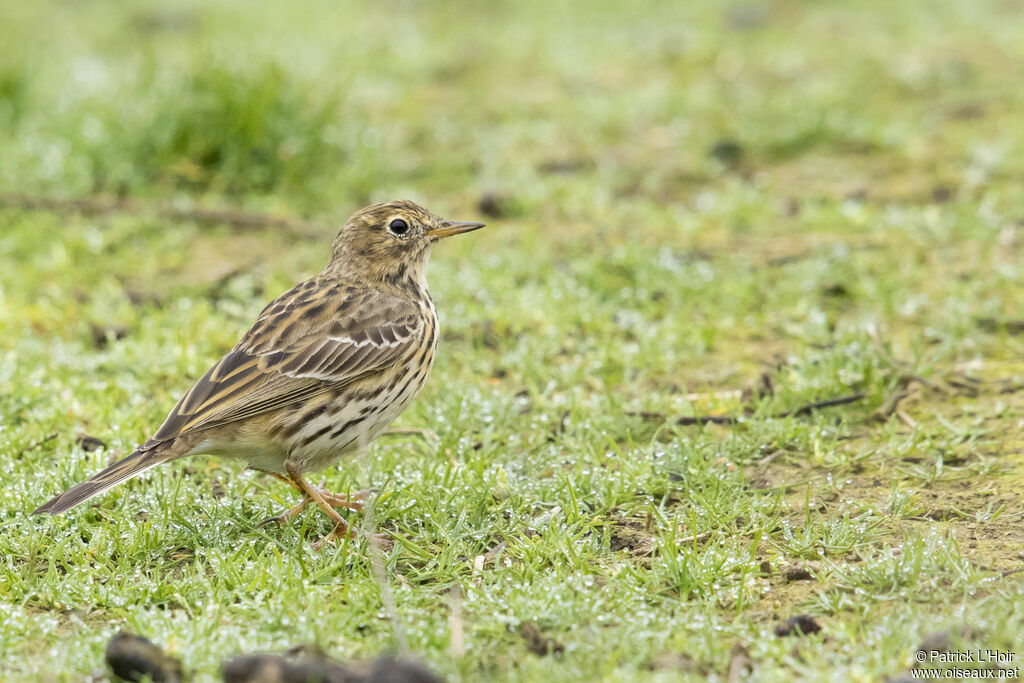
x=696, y=209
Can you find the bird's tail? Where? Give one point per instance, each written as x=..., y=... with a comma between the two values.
x=147, y=456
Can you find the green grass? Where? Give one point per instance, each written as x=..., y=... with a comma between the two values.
x=704, y=209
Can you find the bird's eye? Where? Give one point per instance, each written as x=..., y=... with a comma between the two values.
x=398, y=227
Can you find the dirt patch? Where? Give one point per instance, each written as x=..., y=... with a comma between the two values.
x=966, y=479
x=633, y=536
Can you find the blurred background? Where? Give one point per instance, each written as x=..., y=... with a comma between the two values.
x=652, y=149
x=570, y=110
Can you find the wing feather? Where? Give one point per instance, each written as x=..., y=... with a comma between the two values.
x=304, y=343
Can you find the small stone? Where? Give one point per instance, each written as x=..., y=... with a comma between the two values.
x=726, y=151
x=89, y=443
x=940, y=641
x=133, y=658
x=801, y=624
x=799, y=572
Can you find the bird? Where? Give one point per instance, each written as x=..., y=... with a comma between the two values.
x=324, y=369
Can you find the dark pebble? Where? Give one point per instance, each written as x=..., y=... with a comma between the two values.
x=801, y=624
x=132, y=658
x=316, y=667
x=797, y=572
x=726, y=151
x=495, y=205
x=940, y=641
x=89, y=443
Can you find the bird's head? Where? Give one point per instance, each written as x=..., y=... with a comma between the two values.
x=390, y=243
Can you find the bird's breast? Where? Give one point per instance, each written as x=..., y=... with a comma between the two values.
x=350, y=418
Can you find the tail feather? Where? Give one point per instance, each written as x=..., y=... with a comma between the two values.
x=122, y=470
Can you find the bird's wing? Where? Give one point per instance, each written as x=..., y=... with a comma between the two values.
x=309, y=340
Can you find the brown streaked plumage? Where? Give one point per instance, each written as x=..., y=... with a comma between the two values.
x=325, y=367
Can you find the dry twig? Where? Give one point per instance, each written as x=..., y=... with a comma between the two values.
x=101, y=205
x=37, y=444
x=805, y=409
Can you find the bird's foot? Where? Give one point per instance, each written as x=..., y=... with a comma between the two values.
x=327, y=502
x=320, y=497
x=354, y=501
x=340, y=531
x=286, y=516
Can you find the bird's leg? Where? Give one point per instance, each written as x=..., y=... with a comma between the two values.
x=340, y=525
x=285, y=479
x=353, y=502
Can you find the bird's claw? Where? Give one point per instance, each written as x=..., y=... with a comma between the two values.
x=278, y=519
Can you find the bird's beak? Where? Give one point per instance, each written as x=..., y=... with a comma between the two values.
x=449, y=228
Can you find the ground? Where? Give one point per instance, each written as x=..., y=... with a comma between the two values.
x=732, y=210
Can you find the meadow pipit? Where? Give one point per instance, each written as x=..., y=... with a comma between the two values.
x=326, y=366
